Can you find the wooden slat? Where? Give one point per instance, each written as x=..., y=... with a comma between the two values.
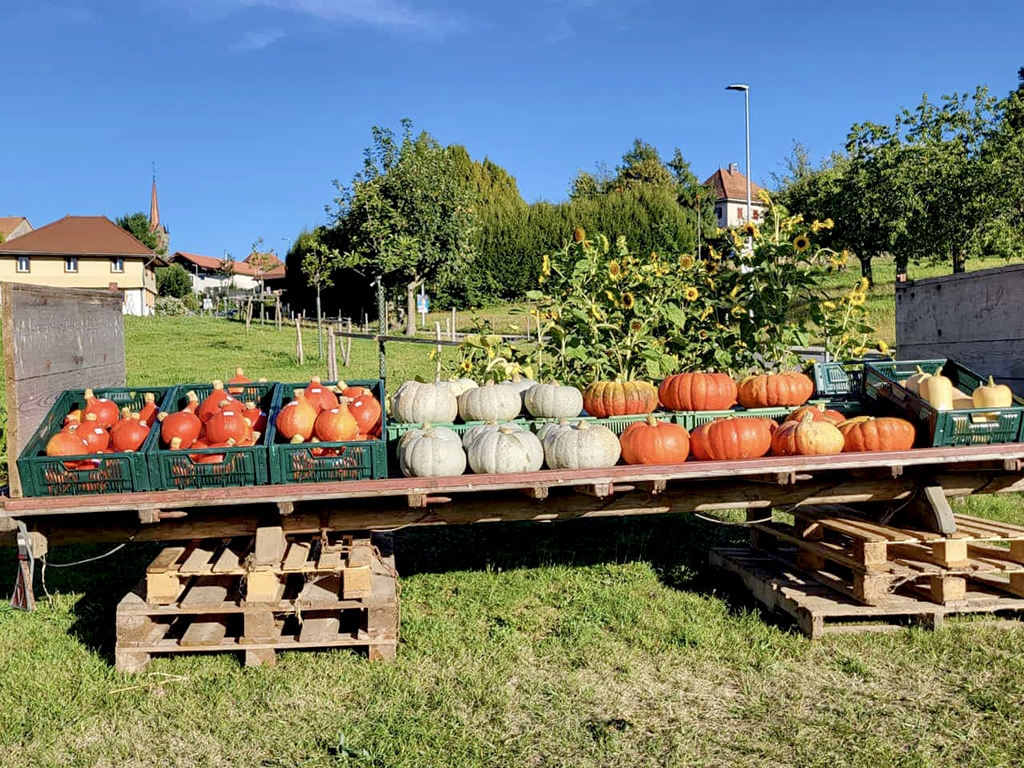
x=167, y=558
x=319, y=629
x=200, y=560
x=207, y=590
x=204, y=631
x=230, y=558
x=1006, y=530
x=283, y=644
x=296, y=556
x=329, y=560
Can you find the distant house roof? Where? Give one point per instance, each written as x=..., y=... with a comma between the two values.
x=80, y=236
x=10, y=223
x=730, y=184
x=241, y=267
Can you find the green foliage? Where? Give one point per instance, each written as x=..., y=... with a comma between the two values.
x=170, y=306
x=173, y=281
x=138, y=225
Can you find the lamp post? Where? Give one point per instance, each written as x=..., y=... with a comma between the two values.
x=746, y=100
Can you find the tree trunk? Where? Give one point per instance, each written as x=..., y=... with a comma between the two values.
x=865, y=269
x=410, y=305
x=959, y=262
x=319, y=326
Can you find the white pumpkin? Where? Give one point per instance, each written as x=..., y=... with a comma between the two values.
x=431, y=452
x=582, y=445
x=417, y=403
x=475, y=431
x=489, y=403
x=553, y=401
x=505, y=449
x=458, y=386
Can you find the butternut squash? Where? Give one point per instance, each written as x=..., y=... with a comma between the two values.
x=913, y=383
x=992, y=395
x=937, y=391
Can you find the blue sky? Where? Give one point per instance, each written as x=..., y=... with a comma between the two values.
x=251, y=107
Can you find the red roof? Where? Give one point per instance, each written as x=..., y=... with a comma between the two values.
x=79, y=236
x=9, y=223
x=241, y=267
x=732, y=185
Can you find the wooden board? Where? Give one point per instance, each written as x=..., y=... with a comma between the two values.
x=973, y=318
x=55, y=339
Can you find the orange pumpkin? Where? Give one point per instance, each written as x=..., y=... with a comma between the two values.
x=818, y=413
x=866, y=433
x=95, y=436
x=67, y=442
x=319, y=396
x=184, y=426
x=366, y=411
x=336, y=424
x=697, y=392
x=106, y=410
x=619, y=398
x=148, y=412
x=731, y=438
x=807, y=437
x=213, y=401
x=238, y=378
x=193, y=402
x=296, y=419
x=228, y=423
x=256, y=416
x=655, y=442
x=771, y=390
x=353, y=392
x=129, y=434
x=73, y=417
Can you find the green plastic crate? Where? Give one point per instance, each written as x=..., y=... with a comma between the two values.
x=107, y=473
x=244, y=465
x=395, y=430
x=967, y=426
x=359, y=459
x=616, y=424
x=838, y=379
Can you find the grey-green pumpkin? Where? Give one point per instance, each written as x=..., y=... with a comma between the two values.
x=418, y=403
x=553, y=401
x=505, y=449
x=431, y=452
x=580, y=445
x=489, y=403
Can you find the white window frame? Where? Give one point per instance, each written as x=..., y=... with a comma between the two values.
x=28, y=264
x=73, y=261
x=117, y=264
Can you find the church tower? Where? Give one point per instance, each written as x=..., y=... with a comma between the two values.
x=162, y=235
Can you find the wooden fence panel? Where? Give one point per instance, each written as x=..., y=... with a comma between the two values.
x=976, y=318
x=55, y=339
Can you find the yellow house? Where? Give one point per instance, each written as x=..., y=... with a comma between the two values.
x=84, y=252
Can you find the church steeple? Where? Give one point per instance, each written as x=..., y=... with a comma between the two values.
x=154, y=209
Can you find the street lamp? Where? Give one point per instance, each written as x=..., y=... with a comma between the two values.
x=746, y=99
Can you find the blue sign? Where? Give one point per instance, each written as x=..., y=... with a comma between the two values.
x=422, y=304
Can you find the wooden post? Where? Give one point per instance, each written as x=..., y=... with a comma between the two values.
x=527, y=325
x=298, y=341
x=437, y=373
x=332, y=356
x=387, y=316
x=348, y=350
x=448, y=327
x=248, y=315
x=366, y=323
x=453, y=323
x=277, y=313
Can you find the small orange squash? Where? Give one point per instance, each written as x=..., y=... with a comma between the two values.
x=818, y=413
x=732, y=438
x=296, y=419
x=336, y=425
x=619, y=398
x=807, y=437
x=866, y=433
x=655, y=442
x=106, y=410
x=697, y=392
x=771, y=390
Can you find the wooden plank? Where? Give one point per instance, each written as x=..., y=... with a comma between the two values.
x=1004, y=530
x=204, y=631
x=330, y=560
x=230, y=558
x=55, y=339
x=296, y=556
x=319, y=629
x=270, y=545
x=207, y=591
x=200, y=559
x=165, y=560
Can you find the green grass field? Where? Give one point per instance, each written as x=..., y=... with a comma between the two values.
x=591, y=643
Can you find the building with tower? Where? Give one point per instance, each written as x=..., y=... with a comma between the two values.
x=162, y=235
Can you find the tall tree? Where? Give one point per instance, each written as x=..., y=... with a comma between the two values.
x=319, y=263
x=138, y=225
x=407, y=216
x=642, y=164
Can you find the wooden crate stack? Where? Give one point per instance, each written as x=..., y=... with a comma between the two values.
x=835, y=572
x=262, y=595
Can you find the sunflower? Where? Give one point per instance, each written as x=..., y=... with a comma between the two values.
x=828, y=223
x=883, y=347
x=829, y=305
x=466, y=366
x=490, y=353
x=690, y=293
x=858, y=351
x=540, y=280
x=734, y=292
x=636, y=325
x=862, y=284
x=611, y=298
x=703, y=334
x=750, y=229
x=711, y=283
x=801, y=243
x=432, y=355
x=706, y=313
x=614, y=270
x=737, y=311
x=546, y=265
x=857, y=299
x=714, y=254
x=627, y=300
x=686, y=261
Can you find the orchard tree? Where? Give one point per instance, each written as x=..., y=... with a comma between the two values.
x=319, y=262
x=173, y=281
x=407, y=216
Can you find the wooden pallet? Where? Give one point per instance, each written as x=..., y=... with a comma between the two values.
x=307, y=610
x=265, y=563
x=819, y=610
x=869, y=561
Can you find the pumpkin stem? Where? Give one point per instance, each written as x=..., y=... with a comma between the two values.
x=296, y=440
x=150, y=397
x=991, y=381
x=218, y=384
x=261, y=380
x=651, y=421
x=238, y=371
x=125, y=412
x=175, y=443
x=255, y=437
x=161, y=416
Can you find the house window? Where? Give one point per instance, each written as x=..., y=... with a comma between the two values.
x=117, y=264
x=718, y=212
x=754, y=213
x=23, y=263
x=70, y=263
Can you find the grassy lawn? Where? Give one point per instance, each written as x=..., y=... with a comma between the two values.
x=591, y=643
